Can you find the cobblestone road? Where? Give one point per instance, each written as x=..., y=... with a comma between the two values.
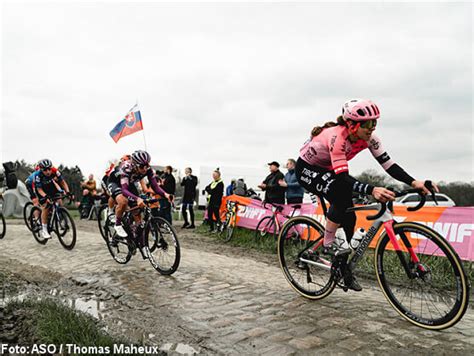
x=223, y=304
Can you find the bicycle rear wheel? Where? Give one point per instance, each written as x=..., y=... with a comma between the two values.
x=101, y=220
x=65, y=229
x=162, y=240
x=432, y=293
x=266, y=228
x=36, y=226
x=26, y=214
x=307, y=271
x=3, y=226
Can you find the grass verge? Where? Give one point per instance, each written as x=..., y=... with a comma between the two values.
x=49, y=322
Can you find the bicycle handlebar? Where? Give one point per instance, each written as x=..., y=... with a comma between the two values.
x=383, y=206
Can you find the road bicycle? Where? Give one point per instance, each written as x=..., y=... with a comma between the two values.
x=60, y=223
x=3, y=226
x=419, y=272
x=157, y=235
x=271, y=225
x=229, y=220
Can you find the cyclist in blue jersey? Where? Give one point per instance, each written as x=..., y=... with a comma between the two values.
x=48, y=182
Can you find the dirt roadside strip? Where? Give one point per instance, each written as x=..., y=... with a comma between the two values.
x=218, y=302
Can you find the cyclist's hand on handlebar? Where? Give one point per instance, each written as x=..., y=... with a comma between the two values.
x=140, y=202
x=419, y=184
x=383, y=195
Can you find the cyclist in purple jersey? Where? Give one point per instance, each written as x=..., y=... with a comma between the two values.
x=121, y=185
x=322, y=169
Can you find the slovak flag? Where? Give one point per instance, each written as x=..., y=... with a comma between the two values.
x=130, y=124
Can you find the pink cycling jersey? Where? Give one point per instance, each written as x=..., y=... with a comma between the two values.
x=331, y=149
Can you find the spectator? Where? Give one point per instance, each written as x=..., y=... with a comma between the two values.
x=274, y=193
x=89, y=185
x=89, y=191
x=294, y=192
x=230, y=188
x=215, y=191
x=240, y=187
x=189, y=183
x=168, y=183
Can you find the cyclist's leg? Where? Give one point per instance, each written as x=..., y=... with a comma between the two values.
x=44, y=217
x=320, y=181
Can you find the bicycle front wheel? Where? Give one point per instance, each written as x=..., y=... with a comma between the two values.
x=424, y=281
x=265, y=227
x=36, y=226
x=229, y=227
x=307, y=271
x=162, y=241
x=26, y=214
x=3, y=226
x=65, y=229
x=102, y=220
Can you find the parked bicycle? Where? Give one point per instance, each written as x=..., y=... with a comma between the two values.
x=60, y=223
x=158, y=236
x=418, y=271
x=229, y=217
x=271, y=225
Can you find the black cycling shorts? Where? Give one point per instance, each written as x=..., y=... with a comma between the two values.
x=116, y=189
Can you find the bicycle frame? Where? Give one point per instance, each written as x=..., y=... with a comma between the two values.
x=386, y=219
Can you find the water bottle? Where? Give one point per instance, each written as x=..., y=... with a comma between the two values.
x=341, y=238
x=357, y=238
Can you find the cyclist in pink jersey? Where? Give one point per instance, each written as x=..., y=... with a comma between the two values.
x=322, y=169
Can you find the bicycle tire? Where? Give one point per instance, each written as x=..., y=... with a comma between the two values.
x=307, y=279
x=102, y=220
x=452, y=278
x=3, y=228
x=162, y=239
x=36, y=225
x=229, y=227
x=26, y=214
x=266, y=226
x=63, y=226
x=120, y=245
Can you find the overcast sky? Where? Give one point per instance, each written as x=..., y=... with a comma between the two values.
x=236, y=84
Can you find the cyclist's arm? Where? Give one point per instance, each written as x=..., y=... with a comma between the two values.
x=64, y=185
x=41, y=192
x=154, y=185
x=387, y=163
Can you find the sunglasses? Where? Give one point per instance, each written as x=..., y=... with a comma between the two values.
x=46, y=169
x=368, y=124
x=143, y=166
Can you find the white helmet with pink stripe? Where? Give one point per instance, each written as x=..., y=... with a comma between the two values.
x=360, y=110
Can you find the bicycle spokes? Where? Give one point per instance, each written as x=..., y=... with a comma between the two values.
x=424, y=281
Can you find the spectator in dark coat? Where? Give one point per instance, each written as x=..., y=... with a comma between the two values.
x=294, y=191
x=168, y=183
x=189, y=183
x=274, y=193
x=216, y=191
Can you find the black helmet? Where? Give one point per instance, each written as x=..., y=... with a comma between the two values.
x=45, y=163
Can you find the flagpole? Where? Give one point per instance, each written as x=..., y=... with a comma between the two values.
x=143, y=131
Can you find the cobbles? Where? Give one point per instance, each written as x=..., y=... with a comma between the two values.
x=232, y=305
